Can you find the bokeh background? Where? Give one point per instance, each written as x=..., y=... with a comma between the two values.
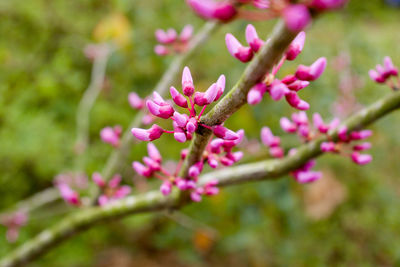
x=349, y=218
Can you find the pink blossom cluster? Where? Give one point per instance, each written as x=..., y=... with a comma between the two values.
x=152, y=167
x=69, y=185
x=299, y=124
x=296, y=15
x=384, y=74
x=169, y=41
x=287, y=87
x=184, y=125
x=111, y=135
x=13, y=222
x=111, y=190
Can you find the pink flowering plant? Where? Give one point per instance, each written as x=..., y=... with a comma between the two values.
x=195, y=116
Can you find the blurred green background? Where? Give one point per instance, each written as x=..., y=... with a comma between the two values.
x=351, y=218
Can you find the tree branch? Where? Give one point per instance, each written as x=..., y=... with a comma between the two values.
x=152, y=201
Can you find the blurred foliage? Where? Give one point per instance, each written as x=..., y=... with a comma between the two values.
x=43, y=74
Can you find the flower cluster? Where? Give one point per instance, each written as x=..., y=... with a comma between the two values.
x=171, y=42
x=287, y=87
x=300, y=125
x=297, y=16
x=152, y=167
x=184, y=124
x=383, y=74
x=13, y=222
x=111, y=190
x=111, y=135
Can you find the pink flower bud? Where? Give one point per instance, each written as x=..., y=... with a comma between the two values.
x=184, y=153
x=327, y=4
x=361, y=159
x=98, y=179
x=375, y=76
x=224, y=11
x=298, y=85
x=186, y=33
x=268, y=138
x=164, y=111
x=180, y=119
x=256, y=93
x=224, y=133
x=122, y=192
x=215, y=145
x=289, y=79
x=103, y=200
x=308, y=176
x=141, y=169
x=180, y=136
x=135, y=101
x=261, y=4
x=328, y=147
x=187, y=82
x=360, y=134
x=235, y=48
x=161, y=50
x=195, y=196
x=304, y=131
x=226, y=161
x=212, y=161
x=151, y=134
x=278, y=90
x=108, y=135
x=172, y=35
x=191, y=126
x=390, y=69
x=313, y=72
x=69, y=195
x=165, y=37
x=296, y=46
x=362, y=146
x=179, y=99
x=115, y=181
x=294, y=100
x=342, y=134
x=287, y=125
x=319, y=123
x=220, y=87
x=209, y=9
x=296, y=17
x=300, y=118
x=166, y=188
x=153, y=152
x=276, y=152
x=252, y=38
x=195, y=169
x=151, y=164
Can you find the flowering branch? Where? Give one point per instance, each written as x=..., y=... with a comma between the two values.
x=161, y=88
x=155, y=200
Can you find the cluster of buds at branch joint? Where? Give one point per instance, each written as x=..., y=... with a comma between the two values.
x=153, y=167
x=184, y=125
x=171, y=42
x=383, y=74
x=296, y=15
x=13, y=222
x=287, y=87
x=111, y=135
x=69, y=185
x=136, y=102
x=111, y=190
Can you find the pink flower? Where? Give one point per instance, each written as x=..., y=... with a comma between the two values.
x=278, y=90
x=111, y=135
x=362, y=146
x=359, y=135
x=382, y=73
x=268, y=138
x=70, y=196
x=256, y=93
x=151, y=134
x=307, y=176
x=112, y=190
x=296, y=17
x=166, y=188
x=187, y=82
x=252, y=38
x=313, y=72
x=210, y=9
x=224, y=133
x=135, y=101
x=161, y=50
x=166, y=37
x=328, y=4
x=287, y=125
x=195, y=169
x=153, y=152
x=186, y=33
x=296, y=46
x=178, y=98
x=295, y=101
x=159, y=107
x=13, y=222
x=235, y=48
x=328, y=147
x=361, y=159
